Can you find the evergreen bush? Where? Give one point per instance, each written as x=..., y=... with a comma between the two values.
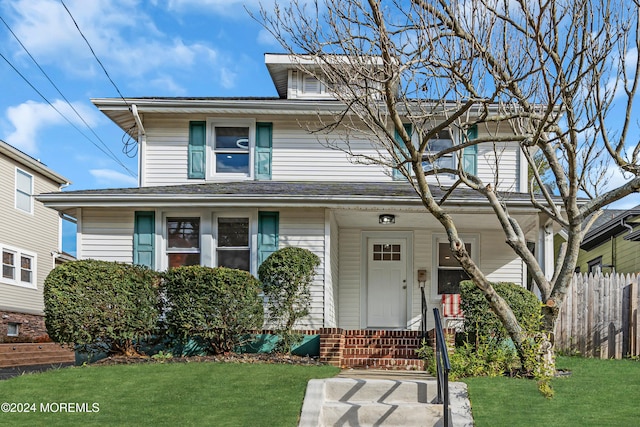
x=101, y=306
x=216, y=307
x=286, y=277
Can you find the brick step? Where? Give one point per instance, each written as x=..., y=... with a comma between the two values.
x=403, y=353
x=383, y=363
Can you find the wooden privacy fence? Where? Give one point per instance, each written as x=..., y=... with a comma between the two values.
x=599, y=317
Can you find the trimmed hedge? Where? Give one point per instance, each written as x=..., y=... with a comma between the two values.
x=100, y=305
x=216, y=307
x=481, y=322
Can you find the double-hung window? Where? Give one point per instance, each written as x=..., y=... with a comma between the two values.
x=18, y=267
x=442, y=141
x=183, y=241
x=24, y=191
x=449, y=271
x=233, y=249
x=231, y=150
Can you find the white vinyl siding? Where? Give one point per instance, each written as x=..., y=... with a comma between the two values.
x=304, y=228
x=299, y=155
x=106, y=234
x=350, y=279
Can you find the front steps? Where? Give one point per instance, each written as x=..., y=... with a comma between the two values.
x=371, y=348
x=370, y=401
x=355, y=402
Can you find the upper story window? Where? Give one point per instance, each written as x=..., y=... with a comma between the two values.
x=231, y=150
x=24, y=191
x=442, y=141
x=18, y=267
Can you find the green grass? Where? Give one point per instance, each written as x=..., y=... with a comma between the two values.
x=185, y=394
x=597, y=393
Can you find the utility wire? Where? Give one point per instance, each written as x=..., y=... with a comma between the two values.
x=111, y=154
x=94, y=54
x=56, y=109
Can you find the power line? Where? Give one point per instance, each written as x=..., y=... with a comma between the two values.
x=94, y=54
x=59, y=112
x=110, y=153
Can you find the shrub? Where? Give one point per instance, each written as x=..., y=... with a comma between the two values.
x=481, y=323
x=286, y=277
x=216, y=307
x=100, y=305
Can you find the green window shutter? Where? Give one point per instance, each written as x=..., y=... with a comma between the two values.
x=144, y=239
x=264, y=145
x=470, y=154
x=397, y=175
x=268, y=224
x=197, y=150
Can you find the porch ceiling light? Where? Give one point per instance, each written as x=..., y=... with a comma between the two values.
x=387, y=219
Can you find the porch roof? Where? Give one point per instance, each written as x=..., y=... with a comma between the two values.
x=269, y=193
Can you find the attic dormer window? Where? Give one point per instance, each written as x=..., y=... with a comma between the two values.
x=311, y=85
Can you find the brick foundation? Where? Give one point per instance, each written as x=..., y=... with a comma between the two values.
x=31, y=328
x=379, y=349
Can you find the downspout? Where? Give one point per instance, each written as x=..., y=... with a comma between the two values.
x=141, y=137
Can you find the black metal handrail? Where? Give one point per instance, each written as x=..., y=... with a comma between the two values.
x=423, y=321
x=442, y=367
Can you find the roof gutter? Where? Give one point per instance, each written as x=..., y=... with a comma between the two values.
x=136, y=117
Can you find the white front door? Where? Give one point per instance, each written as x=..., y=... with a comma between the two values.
x=386, y=283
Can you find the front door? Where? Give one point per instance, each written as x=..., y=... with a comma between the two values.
x=386, y=283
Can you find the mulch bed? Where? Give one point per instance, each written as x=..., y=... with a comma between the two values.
x=273, y=358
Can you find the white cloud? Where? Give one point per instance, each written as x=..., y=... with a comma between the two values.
x=222, y=7
x=31, y=118
x=111, y=178
x=266, y=38
x=124, y=38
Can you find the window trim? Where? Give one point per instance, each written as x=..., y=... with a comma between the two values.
x=251, y=235
x=595, y=265
x=16, y=326
x=211, y=152
x=17, y=190
x=165, y=231
x=17, y=279
x=473, y=239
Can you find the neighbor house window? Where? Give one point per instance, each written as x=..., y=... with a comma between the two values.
x=18, y=267
x=13, y=329
x=231, y=149
x=24, y=191
x=183, y=241
x=450, y=272
x=233, y=243
x=595, y=265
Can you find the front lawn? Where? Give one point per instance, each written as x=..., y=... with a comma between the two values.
x=597, y=393
x=185, y=394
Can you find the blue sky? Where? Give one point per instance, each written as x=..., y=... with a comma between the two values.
x=149, y=48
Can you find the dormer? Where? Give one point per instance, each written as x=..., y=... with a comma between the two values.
x=295, y=76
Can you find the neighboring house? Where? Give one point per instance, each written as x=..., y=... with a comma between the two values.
x=227, y=181
x=612, y=244
x=30, y=242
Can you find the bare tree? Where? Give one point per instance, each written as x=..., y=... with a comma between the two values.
x=548, y=71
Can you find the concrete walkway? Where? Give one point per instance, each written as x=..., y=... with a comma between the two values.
x=381, y=398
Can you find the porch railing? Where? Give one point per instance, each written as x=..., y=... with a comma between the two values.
x=442, y=367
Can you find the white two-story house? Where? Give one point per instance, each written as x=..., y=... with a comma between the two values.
x=227, y=181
